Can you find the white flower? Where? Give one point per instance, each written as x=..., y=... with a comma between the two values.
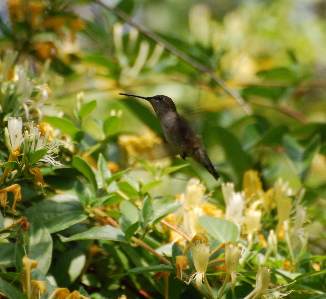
x=14, y=134
x=234, y=202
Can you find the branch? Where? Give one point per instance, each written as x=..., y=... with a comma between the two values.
x=179, y=54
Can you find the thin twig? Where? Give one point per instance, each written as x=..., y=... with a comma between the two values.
x=134, y=239
x=179, y=54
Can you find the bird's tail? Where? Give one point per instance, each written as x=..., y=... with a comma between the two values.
x=200, y=156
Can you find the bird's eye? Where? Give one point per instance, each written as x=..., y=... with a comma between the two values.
x=160, y=98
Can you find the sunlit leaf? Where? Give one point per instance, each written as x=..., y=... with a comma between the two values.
x=87, y=108
x=221, y=229
x=111, y=125
x=150, y=186
x=37, y=155
x=106, y=232
x=57, y=213
x=173, y=169
x=66, y=126
x=85, y=169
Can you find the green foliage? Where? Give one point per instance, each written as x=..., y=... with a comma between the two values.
x=91, y=200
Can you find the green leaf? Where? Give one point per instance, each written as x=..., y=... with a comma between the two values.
x=87, y=109
x=163, y=207
x=85, y=169
x=115, y=177
x=57, y=213
x=173, y=169
x=83, y=193
x=146, y=166
x=278, y=73
x=310, y=274
x=251, y=135
x=132, y=183
x=273, y=137
x=10, y=291
x=6, y=255
x=301, y=155
x=149, y=186
x=129, y=219
x=111, y=125
x=147, y=210
x=37, y=155
x=273, y=93
x=129, y=191
x=106, y=232
x=66, y=126
x=239, y=159
x=221, y=229
x=104, y=171
x=130, y=231
x=39, y=245
x=13, y=165
x=142, y=270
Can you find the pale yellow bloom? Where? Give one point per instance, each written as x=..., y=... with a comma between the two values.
x=28, y=266
x=191, y=206
x=200, y=254
x=14, y=135
x=262, y=283
x=232, y=257
x=234, y=202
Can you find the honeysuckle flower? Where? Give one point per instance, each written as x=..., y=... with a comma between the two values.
x=24, y=85
x=143, y=145
x=38, y=289
x=14, y=135
x=6, y=63
x=65, y=293
x=191, y=206
x=234, y=202
x=200, y=255
x=252, y=219
x=36, y=172
x=33, y=142
x=232, y=257
x=272, y=245
x=16, y=190
x=28, y=266
x=181, y=262
x=298, y=233
x=252, y=186
x=262, y=282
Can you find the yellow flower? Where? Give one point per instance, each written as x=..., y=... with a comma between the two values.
x=200, y=255
x=36, y=172
x=63, y=293
x=28, y=266
x=15, y=188
x=39, y=288
x=181, y=262
x=252, y=219
x=232, y=257
x=140, y=146
x=191, y=206
x=262, y=283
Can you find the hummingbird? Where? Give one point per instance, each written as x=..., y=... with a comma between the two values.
x=178, y=133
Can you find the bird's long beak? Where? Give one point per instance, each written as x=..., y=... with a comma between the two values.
x=133, y=95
